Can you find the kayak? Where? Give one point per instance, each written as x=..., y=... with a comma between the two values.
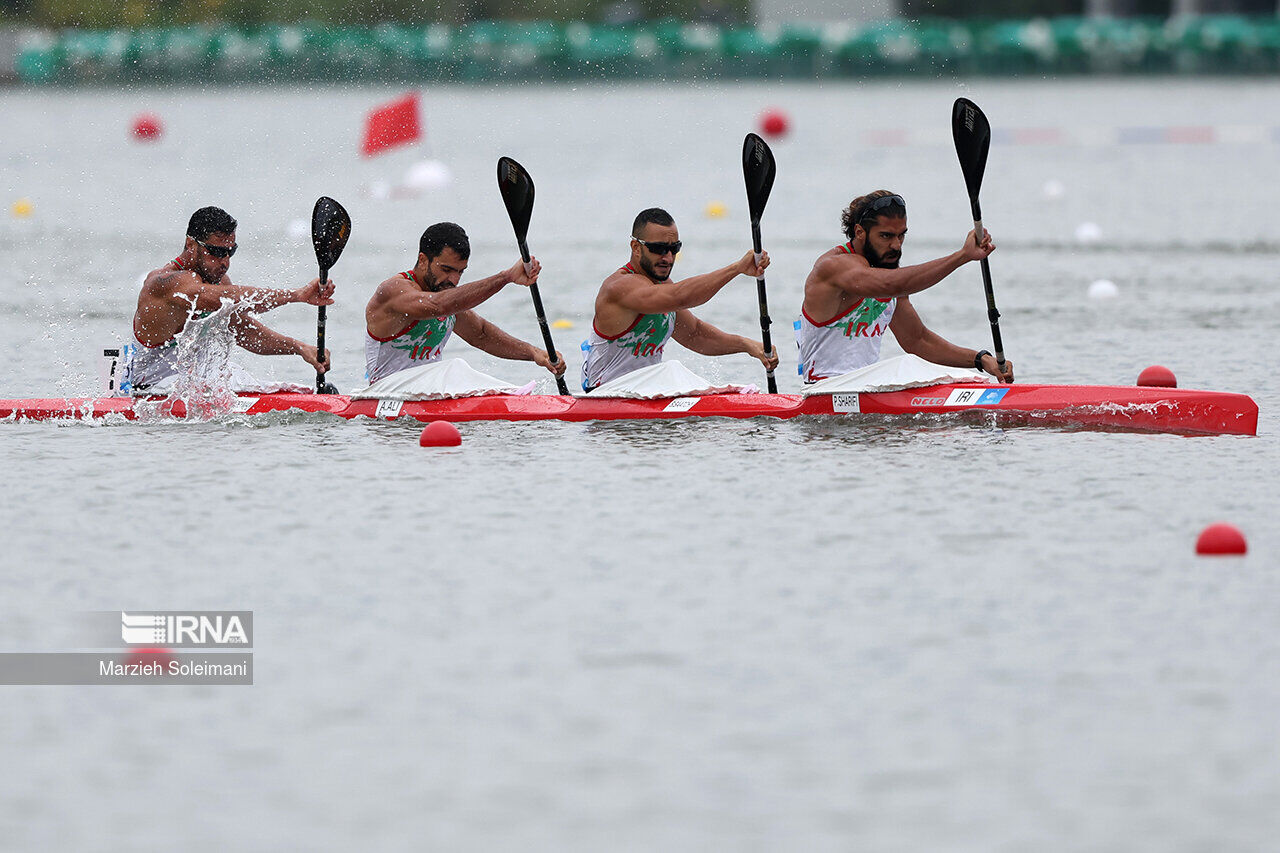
x=1135, y=408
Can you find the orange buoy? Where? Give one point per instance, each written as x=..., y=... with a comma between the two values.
x=147, y=127
x=774, y=123
x=1221, y=538
x=1157, y=376
x=440, y=434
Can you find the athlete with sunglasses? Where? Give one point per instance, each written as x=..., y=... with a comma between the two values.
x=639, y=308
x=195, y=284
x=857, y=291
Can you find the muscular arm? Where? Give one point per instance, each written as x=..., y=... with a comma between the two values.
x=187, y=289
x=257, y=338
x=637, y=293
x=914, y=337
x=483, y=335
x=409, y=301
x=705, y=339
x=853, y=275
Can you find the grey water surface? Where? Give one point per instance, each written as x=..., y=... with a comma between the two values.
x=716, y=635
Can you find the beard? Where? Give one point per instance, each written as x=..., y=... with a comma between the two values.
x=888, y=261
x=206, y=276
x=434, y=284
x=652, y=272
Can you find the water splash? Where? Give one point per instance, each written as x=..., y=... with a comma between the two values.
x=203, y=388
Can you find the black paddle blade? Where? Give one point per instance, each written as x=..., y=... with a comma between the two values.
x=972, y=134
x=759, y=170
x=330, y=228
x=517, y=194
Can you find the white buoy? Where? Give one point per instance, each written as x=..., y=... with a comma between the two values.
x=1103, y=289
x=298, y=229
x=427, y=175
x=1053, y=189
x=1088, y=232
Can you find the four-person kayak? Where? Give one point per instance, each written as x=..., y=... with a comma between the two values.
x=1146, y=409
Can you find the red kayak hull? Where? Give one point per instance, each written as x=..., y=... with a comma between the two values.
x=1144, y=409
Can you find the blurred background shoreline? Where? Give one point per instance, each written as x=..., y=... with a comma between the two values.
x=160, y=42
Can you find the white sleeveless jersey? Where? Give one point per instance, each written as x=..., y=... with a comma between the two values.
x=420, y=342
x=849, y=341
x=146, y=366
x=641, y=345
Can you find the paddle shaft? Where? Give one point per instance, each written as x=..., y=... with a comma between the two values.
x=542, y=316
x=992, y=314
x=765, y=321
x=320, y=321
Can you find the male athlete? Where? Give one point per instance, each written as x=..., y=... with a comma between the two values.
x=411, y=315
x=194, y=284
x=639, y=308
x=857, y=290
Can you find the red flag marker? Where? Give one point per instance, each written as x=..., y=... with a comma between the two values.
x=392, y=124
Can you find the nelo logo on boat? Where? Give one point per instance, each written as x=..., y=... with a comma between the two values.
x=187, y=629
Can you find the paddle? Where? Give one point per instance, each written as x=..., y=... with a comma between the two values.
x=759, y=170
x=330, y=228
x=972, y=133
x=517, y=194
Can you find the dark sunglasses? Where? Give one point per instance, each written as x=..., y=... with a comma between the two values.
x=217, y=251
x=874, y=208
x=659, y=248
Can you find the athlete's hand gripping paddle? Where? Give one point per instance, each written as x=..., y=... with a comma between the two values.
x=330, y=228
x=517, y=194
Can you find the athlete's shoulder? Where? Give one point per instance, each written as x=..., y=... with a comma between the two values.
x=838, y=259
x=167, y=279
x=625, y=278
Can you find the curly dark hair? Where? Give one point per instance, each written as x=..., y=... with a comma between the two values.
x=857, y=210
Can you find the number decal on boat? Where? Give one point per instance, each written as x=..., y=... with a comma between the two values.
x=976, y=396
x=845, y=403
x=681, y=404
x=388, y=409
x=242, y=405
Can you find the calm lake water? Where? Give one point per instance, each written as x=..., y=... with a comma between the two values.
x=637, y=636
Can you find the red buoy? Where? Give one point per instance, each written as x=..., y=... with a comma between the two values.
x=147, y=127
x=774, y=123
x=1221, y=538
x=154, y=661
x=1157, y=376
x=440, y=434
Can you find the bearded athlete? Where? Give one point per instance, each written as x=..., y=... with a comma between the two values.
x=639, y=308
x=195, y=284
x=857, y=290
x=412, y=315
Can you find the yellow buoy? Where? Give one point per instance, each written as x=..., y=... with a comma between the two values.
x=22, y=208
x=562, y=324
x=716, y=209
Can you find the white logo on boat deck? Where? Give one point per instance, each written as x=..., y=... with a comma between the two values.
x=388, y=409
x=681, y=404
x=242, y=405
x=845, y=403
x=976, y=396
